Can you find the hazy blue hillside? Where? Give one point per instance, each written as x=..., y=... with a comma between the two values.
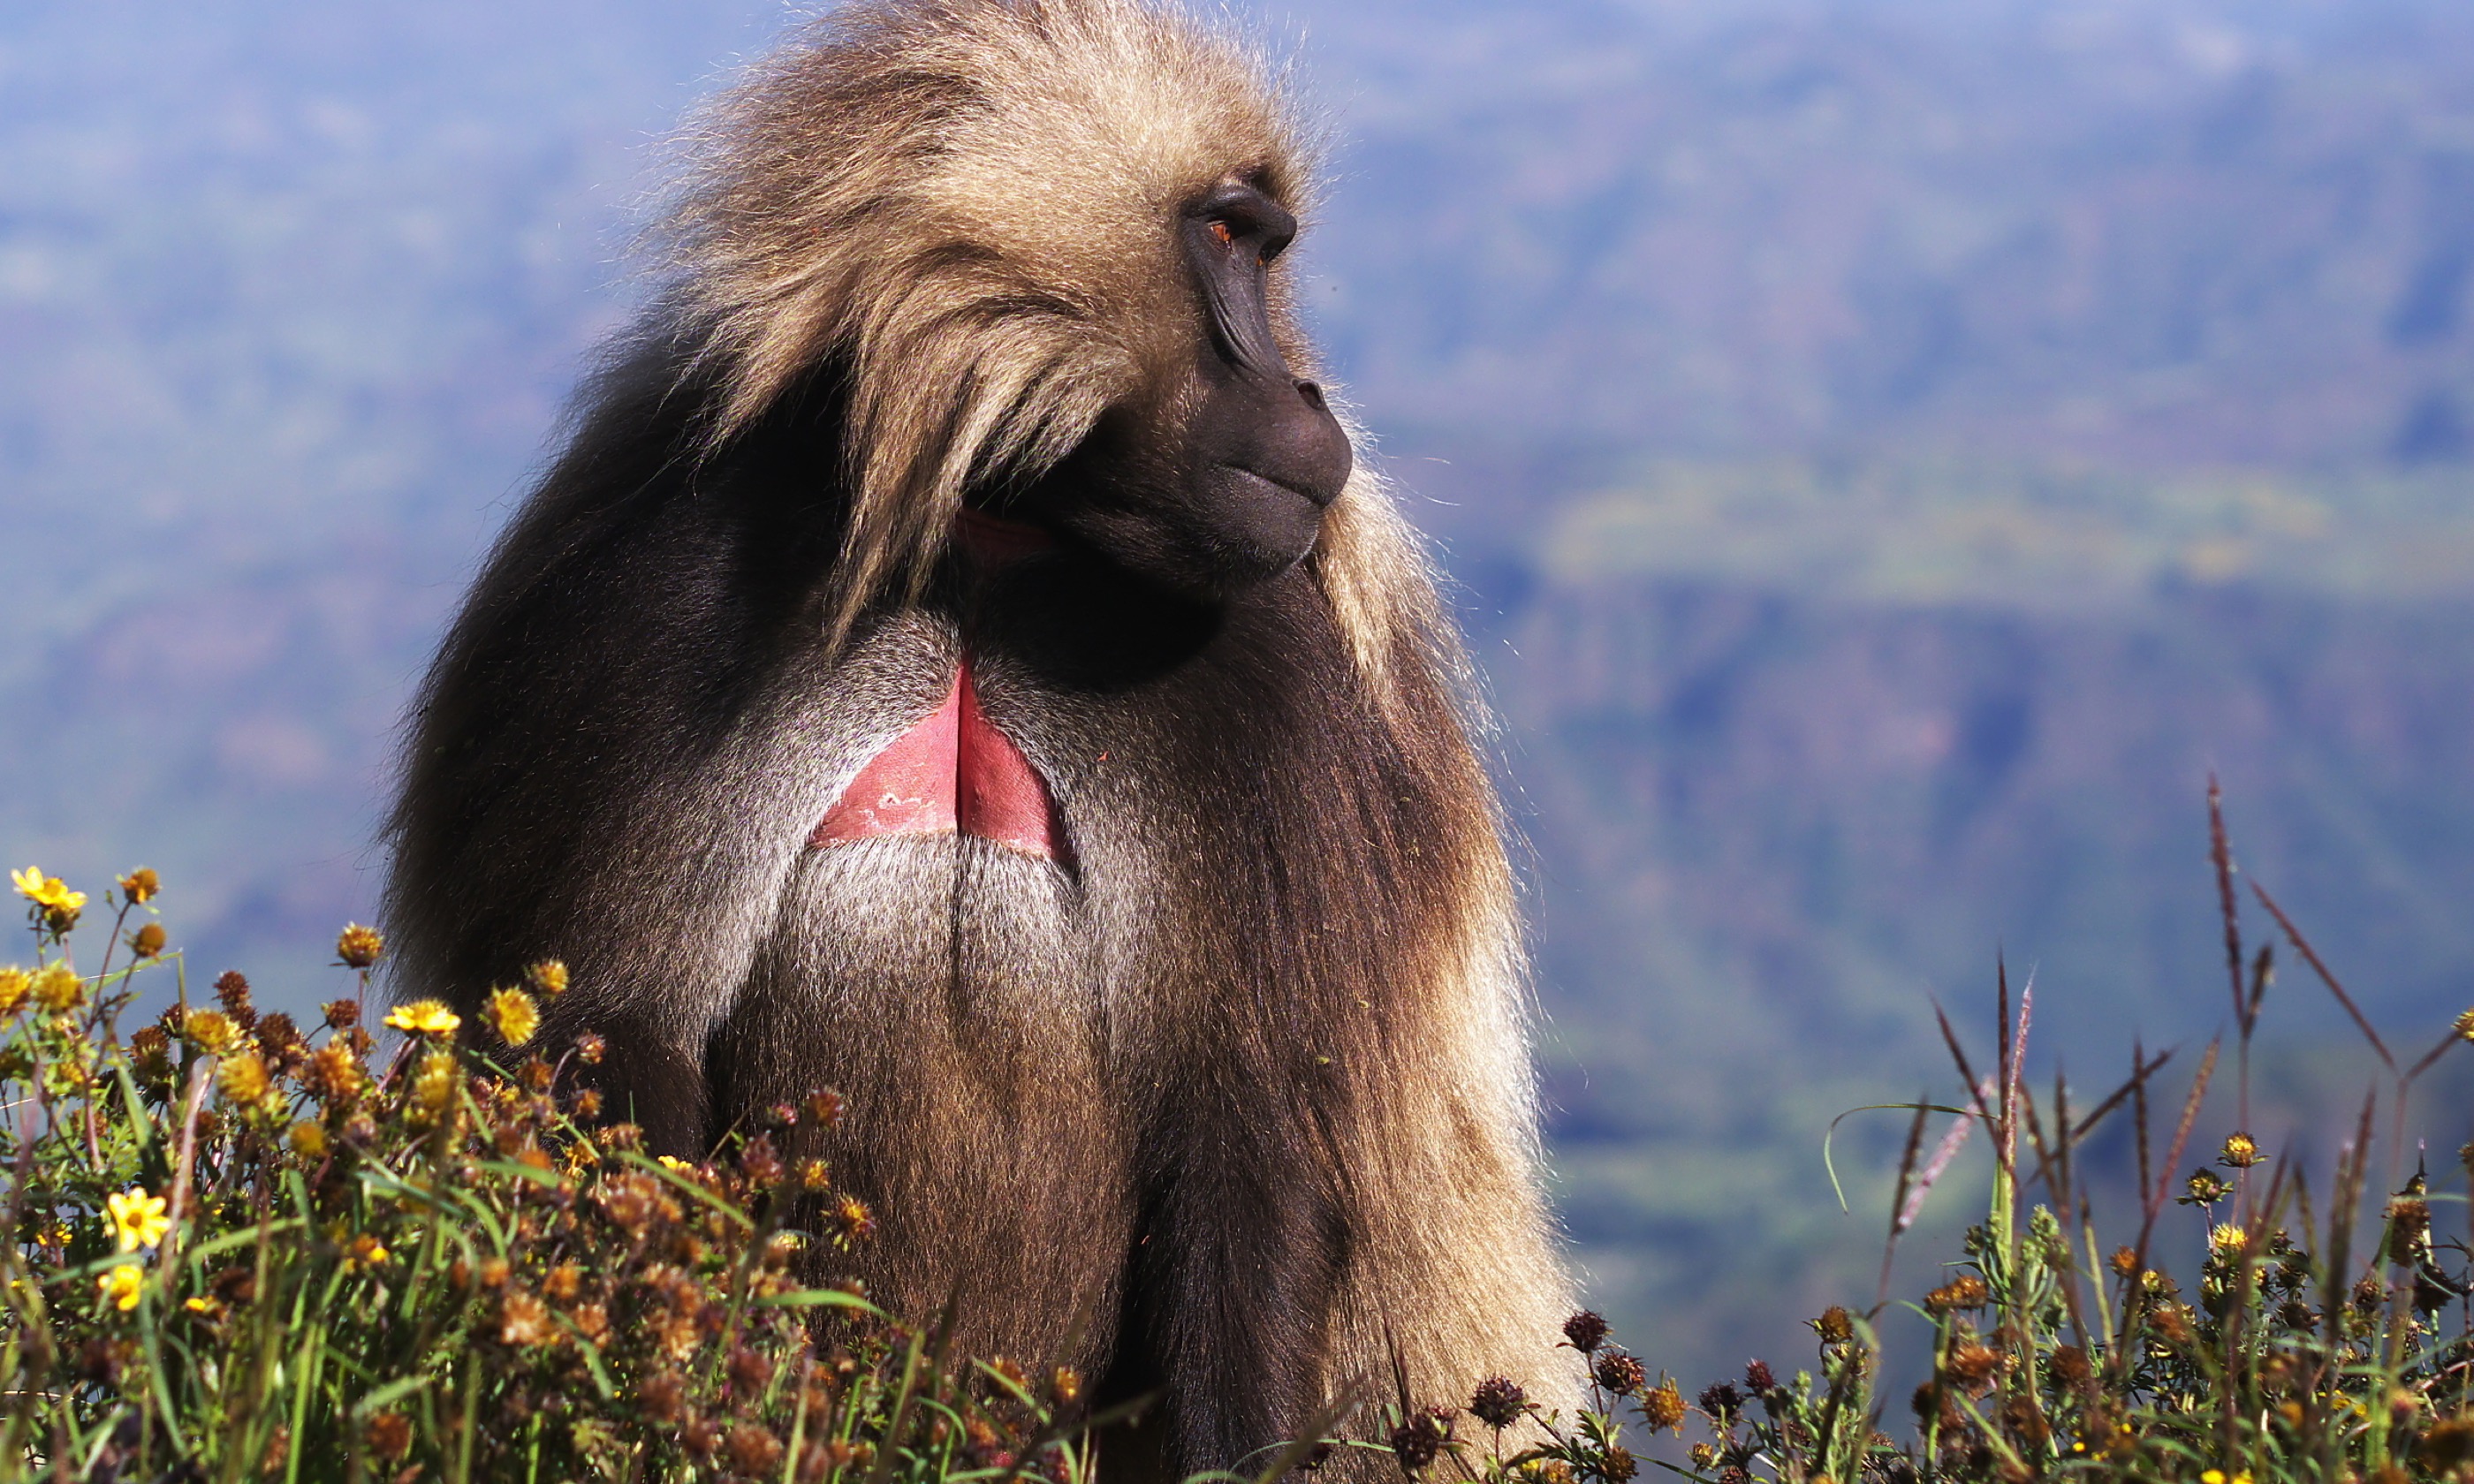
x=1891, y=449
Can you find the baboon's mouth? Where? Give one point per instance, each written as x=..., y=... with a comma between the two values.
x=1250, y=479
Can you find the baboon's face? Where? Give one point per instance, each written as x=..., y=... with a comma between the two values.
x=1225, y=486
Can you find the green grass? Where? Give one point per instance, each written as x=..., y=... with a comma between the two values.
x=249, y=1250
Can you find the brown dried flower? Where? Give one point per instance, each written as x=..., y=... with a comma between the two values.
x=1972, y=1364
x=1497, y=1401
x=1417, y=1441
x=148, y=941
x=753, y=1449
x=1619, y=1373
x=523, y=1321
x=389, y=1435
x=1586, y=1331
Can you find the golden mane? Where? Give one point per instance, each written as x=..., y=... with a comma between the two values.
x=967, y=207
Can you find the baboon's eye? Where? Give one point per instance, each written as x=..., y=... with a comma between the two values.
x=1223, y=233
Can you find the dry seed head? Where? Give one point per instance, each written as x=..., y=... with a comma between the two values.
x=1619, y=1373
x=140, y=886
x=1586, y=1331
x=1972, y=1364
x=389, y=1435
x=1835, y=1325
x=1497, y=1401
x=1967, y=1291
x=753, y=1449
x=148, y=941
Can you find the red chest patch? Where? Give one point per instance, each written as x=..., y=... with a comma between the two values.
x=951, y=772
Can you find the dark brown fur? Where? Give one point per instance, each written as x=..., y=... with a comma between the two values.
x=1241, y=1084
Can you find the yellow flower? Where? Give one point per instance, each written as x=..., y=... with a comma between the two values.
x=2240, y=1152
x=201, y=1306
x=211, y=1031
x=2465, y=1025
x=243, y=1078
x=434, y=1088
x=513, y=1015
x=15, y=982
x=358, y=946
x=672, y=1161
x=137, y=1218
x=425, y=1016
x=549, y=976
x=140, y=886
x=58, y=988
x=308, y=1139
x=2227, y=1237
x=366, y=1253
x=121, y=1286
x=2219, y=1476
x=50, y=892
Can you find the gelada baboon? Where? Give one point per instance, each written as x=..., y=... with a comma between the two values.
x=955, y=661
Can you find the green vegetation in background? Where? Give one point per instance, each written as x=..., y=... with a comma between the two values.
x=2055, y=537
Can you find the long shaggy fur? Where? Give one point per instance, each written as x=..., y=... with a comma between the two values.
x=890, y=194
x=1235, y=1104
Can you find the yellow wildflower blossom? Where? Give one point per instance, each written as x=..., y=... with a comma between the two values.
x=434, y=1088
x=549, y=976
x=2465, y=1025
x=121, y=1286
x=357, y=946
x=211, y=1031
x=2227, y=1237
x=425, y=1018
x=15, y=982
x=243, y=1078
x=514, y=1016
x=308, y=1139
x=58, y=988
x=137, y=1218
x=366, y=1252
x=49, y=893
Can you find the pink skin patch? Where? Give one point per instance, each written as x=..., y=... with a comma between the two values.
x=952, y=772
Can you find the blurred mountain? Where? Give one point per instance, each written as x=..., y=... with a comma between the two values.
x=1891, y=451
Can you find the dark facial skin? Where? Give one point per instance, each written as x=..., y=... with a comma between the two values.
x=1240, y=498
